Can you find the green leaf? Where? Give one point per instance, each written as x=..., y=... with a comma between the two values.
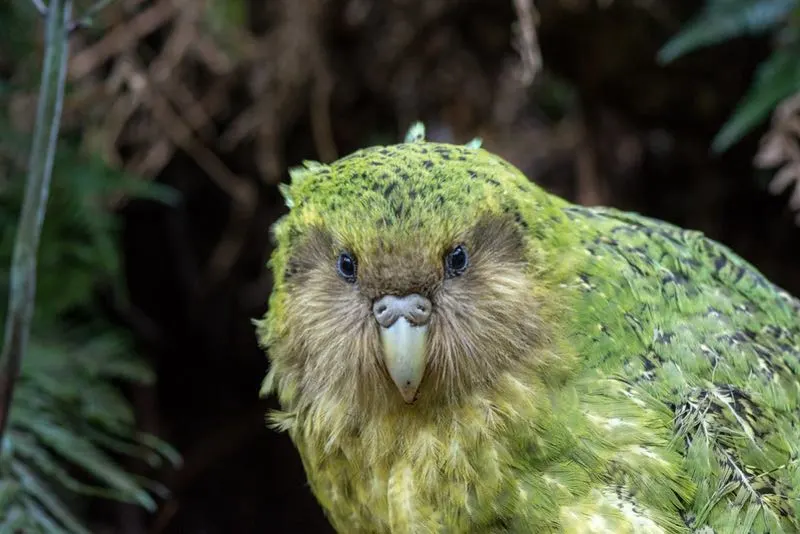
x=225, y=16
x=45, y=496
x=81, y=452
x=103, y=402
x=47, y=466
x=9, y=490
x=13, y=522
x=777, y=78
x=126, y=447
x=155, y=487
x=162, y=447
x=39, y=516
x=723, y=20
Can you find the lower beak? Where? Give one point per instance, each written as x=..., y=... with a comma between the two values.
x=404, y=356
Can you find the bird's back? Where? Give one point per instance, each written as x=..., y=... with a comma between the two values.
x=683, y=321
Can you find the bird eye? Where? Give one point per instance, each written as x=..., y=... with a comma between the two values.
x=456, y=261
x=346, y=265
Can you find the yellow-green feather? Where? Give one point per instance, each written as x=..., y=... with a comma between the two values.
x=661, y=397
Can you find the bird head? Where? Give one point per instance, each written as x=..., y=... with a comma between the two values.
x=406, y=277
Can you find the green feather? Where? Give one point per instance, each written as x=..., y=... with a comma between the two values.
x=416, y=133
x=475, y=143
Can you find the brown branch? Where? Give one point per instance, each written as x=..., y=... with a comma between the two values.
x=215, y=59
x=122, y=37
x=289, y=59
x=85, y=19
x=162, y=71
x=242, y=193
x=244, y=125
x=528, y=44
x=780, y=148
x=155, y=158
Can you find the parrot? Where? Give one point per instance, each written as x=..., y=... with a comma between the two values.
x=454, y=349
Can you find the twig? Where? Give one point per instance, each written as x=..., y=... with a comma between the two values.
x=241, y=192
x=40, y=7
x=528, y=44
x=22, y=283
x=122, y=37
x=86, y=19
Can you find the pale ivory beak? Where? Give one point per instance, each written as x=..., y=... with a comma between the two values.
x=404, y=355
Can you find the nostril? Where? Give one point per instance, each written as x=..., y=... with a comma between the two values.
x=419, y=310
x=414, y=308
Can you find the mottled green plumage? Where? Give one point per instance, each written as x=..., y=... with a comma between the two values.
x=592, y=371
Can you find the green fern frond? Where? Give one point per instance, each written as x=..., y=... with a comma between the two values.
x=70, y=425
x=79, y=236
x=777, y=78
x=723, y=20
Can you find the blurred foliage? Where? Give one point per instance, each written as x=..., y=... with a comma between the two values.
x=778, y=76
x=71, y=428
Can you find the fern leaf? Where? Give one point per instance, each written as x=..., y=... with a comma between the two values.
x=51, y=502
x=722, y=20
x=83, y=453
x=776, y=79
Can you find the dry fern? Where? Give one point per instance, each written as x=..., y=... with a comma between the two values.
x=780, y=148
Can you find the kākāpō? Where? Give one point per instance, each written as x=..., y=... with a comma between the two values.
x=456, y=350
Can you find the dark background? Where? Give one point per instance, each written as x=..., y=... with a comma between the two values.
x=602, y=123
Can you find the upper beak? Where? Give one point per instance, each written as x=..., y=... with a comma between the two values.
x=404, y=355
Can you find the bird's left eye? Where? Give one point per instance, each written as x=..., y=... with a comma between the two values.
x=346, y=266
x=456, y=261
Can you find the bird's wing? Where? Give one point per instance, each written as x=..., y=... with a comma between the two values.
x=684, y=320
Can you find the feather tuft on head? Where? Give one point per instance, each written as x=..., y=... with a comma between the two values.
x=312, y=165
x=416, y=133
x=287, y=196
x=475, y=143
x=298, y=174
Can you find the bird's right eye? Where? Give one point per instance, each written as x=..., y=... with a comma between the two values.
x=346, y=266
